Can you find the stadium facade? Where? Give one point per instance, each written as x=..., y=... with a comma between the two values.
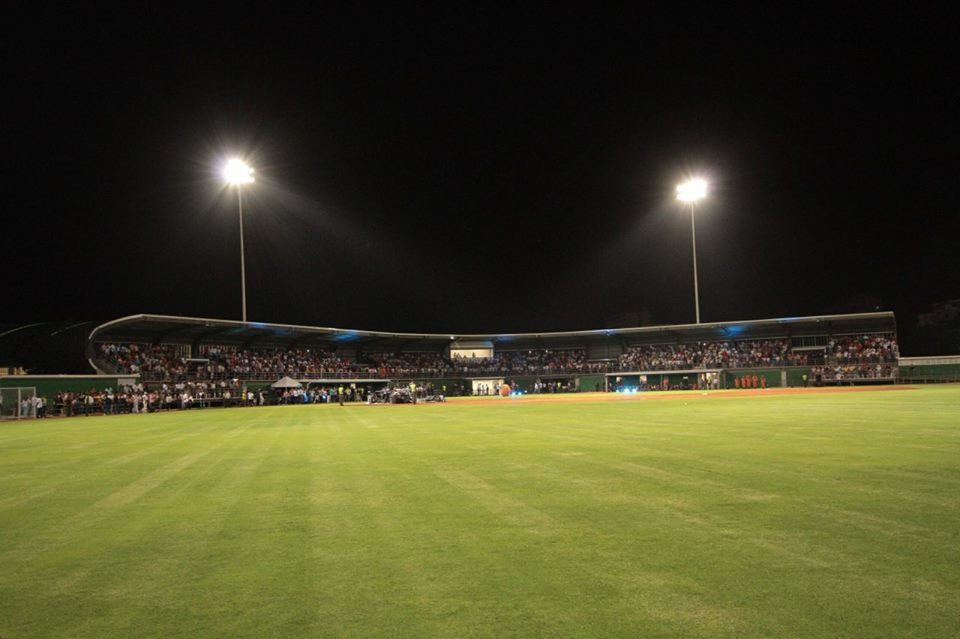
x=790, y=351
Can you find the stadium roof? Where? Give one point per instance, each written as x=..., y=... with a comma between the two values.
x=195, y=330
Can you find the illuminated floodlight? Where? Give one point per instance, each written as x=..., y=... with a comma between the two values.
x=692, y=190
x=236, y=171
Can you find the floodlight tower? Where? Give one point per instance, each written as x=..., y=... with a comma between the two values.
x=691, y=191
x=238, y=173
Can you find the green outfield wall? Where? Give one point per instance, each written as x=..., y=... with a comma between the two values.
x=49, y=385
x=930, y=371
x=795, y=376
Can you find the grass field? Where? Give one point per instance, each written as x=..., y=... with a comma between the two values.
x=813, y=515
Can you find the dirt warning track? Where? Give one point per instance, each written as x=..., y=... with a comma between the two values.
x=668, y=395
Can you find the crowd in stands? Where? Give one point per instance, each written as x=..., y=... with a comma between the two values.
x=549, y=361
x=730, y=354
x=163, y=362
x=865, y=348
x=405, y=364
x=271, y=363
x=170, y=363
x=142, y=359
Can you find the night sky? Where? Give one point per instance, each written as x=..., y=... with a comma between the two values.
x=464, y=168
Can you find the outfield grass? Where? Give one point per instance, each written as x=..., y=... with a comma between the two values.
x=793, y=516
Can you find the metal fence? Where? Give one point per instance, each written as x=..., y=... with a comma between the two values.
x=18, y=402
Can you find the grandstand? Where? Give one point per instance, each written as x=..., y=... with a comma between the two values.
x=226, y=355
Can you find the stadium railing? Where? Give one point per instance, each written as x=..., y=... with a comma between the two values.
x=467, y=372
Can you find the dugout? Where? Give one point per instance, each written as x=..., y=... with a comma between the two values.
x=485, y=385
x=688, y=379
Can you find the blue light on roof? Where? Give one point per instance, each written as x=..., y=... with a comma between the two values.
x=347, y=336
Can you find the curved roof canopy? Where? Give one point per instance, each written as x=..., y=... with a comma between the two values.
x=193, y=330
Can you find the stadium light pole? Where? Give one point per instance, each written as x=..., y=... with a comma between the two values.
x=237, y=173
x=691, y=191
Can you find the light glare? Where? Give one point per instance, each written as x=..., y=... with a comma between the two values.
x=236, y=171
x=692, y=190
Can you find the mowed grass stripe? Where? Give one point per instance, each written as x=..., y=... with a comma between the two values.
x=812, y=515
x=23, y=487
x=118, y=604
x=168, y=580
x=62, y=500
x=84, y=558
x=90, y=515
x=256, y=566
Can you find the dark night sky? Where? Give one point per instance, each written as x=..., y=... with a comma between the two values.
x=438, y=168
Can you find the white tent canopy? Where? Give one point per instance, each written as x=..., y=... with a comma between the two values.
x=286, y=382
